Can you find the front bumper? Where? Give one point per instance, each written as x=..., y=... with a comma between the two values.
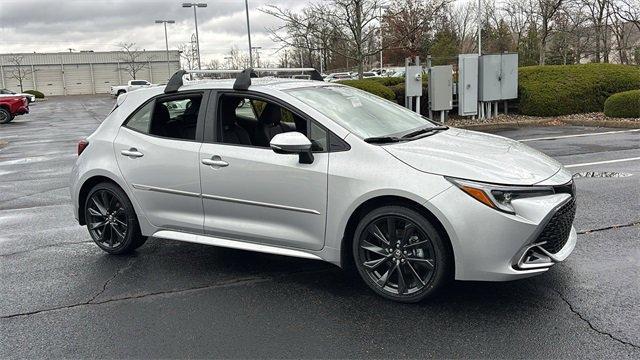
x=22, y=110
x=490, y=245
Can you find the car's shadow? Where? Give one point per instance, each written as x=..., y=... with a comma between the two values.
x=184, y=263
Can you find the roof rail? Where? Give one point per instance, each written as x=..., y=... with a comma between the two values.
x=243, y=79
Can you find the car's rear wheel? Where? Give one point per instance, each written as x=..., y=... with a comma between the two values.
x=400, y=254
x=5, y=116
x=111, y=219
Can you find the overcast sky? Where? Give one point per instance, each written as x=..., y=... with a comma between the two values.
x=57, y=25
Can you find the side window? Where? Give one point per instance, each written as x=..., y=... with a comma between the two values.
x=245, y=110
x=175, y=118
x=318, y=137
x=141, y=120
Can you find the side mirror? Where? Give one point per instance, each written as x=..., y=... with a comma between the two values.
x=293, y=143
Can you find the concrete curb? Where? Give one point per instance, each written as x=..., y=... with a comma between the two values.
x=626, y=124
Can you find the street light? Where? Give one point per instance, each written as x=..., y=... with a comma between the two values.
x=195, y=16
x=246, y=6
x=166, y=41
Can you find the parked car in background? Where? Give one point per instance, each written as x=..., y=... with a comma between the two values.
x=338, y=77
x=12, y=106
x=131, y=86
x=367, y=75
x=326, y=172
x=6, y=92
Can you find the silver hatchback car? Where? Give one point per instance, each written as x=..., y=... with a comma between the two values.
x=322, y=171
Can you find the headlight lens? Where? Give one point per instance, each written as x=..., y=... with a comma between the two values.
x=499, y=197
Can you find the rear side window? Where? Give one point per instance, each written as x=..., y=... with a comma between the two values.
x=174, y=118
x=141, y=120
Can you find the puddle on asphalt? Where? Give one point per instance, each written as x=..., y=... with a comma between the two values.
x=600, y=174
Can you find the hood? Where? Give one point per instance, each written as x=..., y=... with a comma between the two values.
x=476, y=156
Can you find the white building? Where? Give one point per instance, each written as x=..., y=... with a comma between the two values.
x=74, y=73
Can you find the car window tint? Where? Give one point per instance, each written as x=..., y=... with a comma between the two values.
x=176, y=118
x=141, y=119
x=318, y=137
x=245, y=110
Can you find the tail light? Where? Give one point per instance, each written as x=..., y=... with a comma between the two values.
x=82, y=144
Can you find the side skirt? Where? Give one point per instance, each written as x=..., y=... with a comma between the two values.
x=233, y=244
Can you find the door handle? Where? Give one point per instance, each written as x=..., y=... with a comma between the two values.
x=215, y=161
x=132, y=153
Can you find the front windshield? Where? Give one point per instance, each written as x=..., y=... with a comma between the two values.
x=361, y=113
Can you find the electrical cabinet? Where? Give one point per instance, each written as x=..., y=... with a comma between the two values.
x=441, y=88
x=467, y=84
x=413, y=80
x=498, y=77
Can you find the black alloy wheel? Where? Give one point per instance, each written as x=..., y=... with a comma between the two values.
x=111, y=220
x=400, y=255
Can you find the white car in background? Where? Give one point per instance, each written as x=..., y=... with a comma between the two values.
x=131, y=86
x=335, y=77
x=6, y=92
x=322, y=171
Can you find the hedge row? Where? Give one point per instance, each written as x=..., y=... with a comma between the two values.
x=572, y=89
x=623, y=105
x=373, y=87
x=35, y=93
x=546, y=90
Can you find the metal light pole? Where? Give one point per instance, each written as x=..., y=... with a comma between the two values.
x=195, y=16
x=479, y=27
x=381, y=8
x=166, y=41
x=246, y=6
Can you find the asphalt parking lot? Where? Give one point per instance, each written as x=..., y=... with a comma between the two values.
x=61, y=296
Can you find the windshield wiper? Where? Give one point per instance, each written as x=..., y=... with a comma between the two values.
x=382, y=139
x=424, y=130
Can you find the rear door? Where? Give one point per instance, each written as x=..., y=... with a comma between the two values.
x=157, y=150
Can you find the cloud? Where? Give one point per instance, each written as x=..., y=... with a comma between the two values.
x=57, y=25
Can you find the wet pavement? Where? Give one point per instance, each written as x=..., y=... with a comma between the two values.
x=63, y=297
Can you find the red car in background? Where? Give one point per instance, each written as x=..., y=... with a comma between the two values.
x=11, y=106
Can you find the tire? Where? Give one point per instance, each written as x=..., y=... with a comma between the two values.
x=111, y=220
x=407, y=265
x=5, y=116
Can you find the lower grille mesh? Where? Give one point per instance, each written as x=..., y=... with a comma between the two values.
x=557, y=231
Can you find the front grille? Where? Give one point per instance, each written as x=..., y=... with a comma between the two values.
x=556, y=233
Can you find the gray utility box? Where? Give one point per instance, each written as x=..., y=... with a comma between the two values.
x=467, y=84
x=441, y=88
x=413, y=80
x=498, y=77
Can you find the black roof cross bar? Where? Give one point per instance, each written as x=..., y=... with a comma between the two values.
x=243, y=79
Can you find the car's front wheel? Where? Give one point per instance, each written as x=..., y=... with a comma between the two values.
x=400, y=254
x=111, y=219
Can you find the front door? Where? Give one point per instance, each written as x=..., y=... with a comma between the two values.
x=252, y=194
x=157, y=150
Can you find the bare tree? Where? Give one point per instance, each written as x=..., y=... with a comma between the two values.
x=546, y=11
x=187, y=55
x=19, y=72
x=132, y=59
x=237, y=59
x=213, y=65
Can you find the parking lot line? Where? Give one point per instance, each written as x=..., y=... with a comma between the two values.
x=602, y=162
x=579, y=135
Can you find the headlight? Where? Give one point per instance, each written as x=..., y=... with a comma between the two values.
x=499, y=197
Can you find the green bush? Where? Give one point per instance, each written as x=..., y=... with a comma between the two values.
x=623, y=105
x=389, y=81
x=572, y=89
x=371, y=87
x=35, y=93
